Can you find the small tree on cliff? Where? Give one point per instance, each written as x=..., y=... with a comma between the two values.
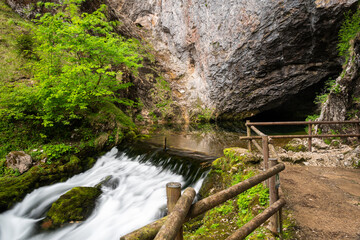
x=78, y=65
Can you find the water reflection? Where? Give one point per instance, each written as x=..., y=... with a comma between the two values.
x=209, y=139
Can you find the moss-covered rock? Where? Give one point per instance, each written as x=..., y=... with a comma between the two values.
x=14, y=189
x=295, y=145
x=75, y=205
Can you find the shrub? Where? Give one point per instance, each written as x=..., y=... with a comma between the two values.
x=348, y=30
x=79, y=62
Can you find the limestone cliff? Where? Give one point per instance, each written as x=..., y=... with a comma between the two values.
x=343, y=102
x=241, y=57
x=237, y=57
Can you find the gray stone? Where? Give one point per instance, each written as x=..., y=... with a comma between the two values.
x=241, y=57
x=19, y=160
x=341, y=103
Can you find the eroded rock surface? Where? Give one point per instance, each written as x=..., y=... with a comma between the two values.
x=241, y=57
x=19, y=160
x=344, y=103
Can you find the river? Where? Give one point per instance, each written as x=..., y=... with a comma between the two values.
x=133, y=197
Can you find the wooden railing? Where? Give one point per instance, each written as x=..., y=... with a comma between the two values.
x=168, y=227
x=251, y=126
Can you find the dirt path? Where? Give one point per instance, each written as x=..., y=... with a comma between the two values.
x=325, y=201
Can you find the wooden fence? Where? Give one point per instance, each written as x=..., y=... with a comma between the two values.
x=251, y=126
x=169, y=227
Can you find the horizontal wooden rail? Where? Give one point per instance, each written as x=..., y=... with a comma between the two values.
x=299, y=123
x=257, y=221
x=149, y=231
x=301, y=136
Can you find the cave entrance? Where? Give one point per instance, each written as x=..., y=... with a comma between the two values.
x=296, y=108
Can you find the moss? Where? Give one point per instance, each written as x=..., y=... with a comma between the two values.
x=75, y=205
x=14, y=189
x=218, y=223
x=289, y=226
x=221, y=221
x=295, y=148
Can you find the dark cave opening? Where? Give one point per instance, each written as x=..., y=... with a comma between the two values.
x=296, y=107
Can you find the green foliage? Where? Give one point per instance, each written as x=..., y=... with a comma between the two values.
x=350, y=27
x=330, y=87
x=79, y=65
x=55, y=151
x=225, y=209
x=161, y=95
x=312, y=117
x=5, y=171
x=219, y=222
x=25, y=45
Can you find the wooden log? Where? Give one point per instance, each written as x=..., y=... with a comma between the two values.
x=173, y=224
x=257, y=131
x=257, y=145
x=212, y=201
x=265, y=147
x=310, y=139
x=149, y=231
x=273, y=197
x=248, y=134
x=272, y=150
x=173, y=193
x=257, y=221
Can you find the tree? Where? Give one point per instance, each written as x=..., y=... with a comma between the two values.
x=78, y=64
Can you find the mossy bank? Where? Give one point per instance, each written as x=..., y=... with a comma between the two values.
x=237, y=165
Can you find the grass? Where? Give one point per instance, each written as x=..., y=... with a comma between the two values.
x=11, y=26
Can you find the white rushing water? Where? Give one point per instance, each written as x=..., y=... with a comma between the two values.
x=134, y=198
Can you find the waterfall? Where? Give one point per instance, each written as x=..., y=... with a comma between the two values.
x=133, y=197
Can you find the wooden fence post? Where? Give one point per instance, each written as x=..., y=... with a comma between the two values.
x=173, y=193
x=174, y=222
x=274, y=196
x=248, y=134
x=310, y=139
x=265, y=147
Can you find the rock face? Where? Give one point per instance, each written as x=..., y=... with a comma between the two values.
x=345, y=102
x=19, y=160
x=241, y=57
x=237, y=58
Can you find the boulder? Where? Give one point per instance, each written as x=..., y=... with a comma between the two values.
x=19, y=160
x=74, y=206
